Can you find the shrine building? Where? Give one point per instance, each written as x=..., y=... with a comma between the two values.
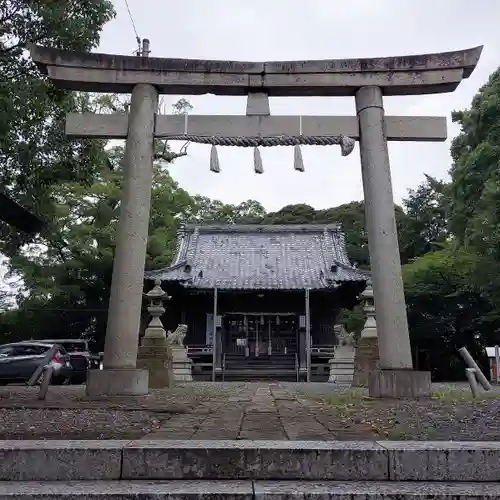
x=275, y=292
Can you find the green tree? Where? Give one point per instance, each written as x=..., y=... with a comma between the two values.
x=475, y=173
x=34, y=153
x=353, y=319
x=67, y=272
x=351, y=217
x=70, y=277
x=449, y=307
x=206, y=211
x=424, y=228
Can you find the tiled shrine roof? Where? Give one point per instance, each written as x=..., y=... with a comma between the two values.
x=252, y=257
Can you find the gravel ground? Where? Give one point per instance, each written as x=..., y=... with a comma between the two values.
x=75, y=424
x=249, y=411
x=450, y=414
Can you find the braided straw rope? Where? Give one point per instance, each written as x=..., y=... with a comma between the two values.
x=346, y=143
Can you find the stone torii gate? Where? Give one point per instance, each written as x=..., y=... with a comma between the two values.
x=367, y=80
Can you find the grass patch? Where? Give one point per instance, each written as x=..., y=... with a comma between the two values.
x=344, y=398
x=456, y=395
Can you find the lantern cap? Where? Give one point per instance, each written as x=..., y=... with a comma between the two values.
x=157, y=291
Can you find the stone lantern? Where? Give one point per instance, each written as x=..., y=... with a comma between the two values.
x=367, y=356
x=156, y=296
x=154, y=352
x=370, y=328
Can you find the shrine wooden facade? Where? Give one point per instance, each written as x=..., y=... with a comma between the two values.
x=268, y=286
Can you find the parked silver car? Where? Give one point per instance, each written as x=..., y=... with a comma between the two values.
x=19, y=360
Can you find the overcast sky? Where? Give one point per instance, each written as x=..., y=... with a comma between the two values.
x=316, y=29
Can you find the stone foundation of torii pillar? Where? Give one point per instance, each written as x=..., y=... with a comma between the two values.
x=366, y=80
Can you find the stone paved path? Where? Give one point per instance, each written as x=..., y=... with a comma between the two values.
x=241, y=410
x=253, y=411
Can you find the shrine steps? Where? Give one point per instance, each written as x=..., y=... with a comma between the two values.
x=246, y=490
x=275, y=367
x=248, y=470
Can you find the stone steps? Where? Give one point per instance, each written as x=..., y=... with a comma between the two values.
x=263, y=368
x=260, y=369
x=248, y=470
x=256, y=460
x=246, y=490
x=259, y=374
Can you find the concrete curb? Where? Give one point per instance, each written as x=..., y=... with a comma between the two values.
x=258, y=460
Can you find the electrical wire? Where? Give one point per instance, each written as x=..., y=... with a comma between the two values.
x=138, y=39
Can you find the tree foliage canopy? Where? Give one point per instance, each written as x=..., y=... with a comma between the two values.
x=34, y=153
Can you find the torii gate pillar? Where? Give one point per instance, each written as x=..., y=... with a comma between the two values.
x=120, y=375
x=365, y=79
x=396, y=376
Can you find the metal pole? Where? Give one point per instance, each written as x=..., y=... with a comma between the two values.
x=471, y=377
x=497, y=361
x=145, y=48
x=214, y=336
x=308, y=337
x=48, y=371
x=472, y=364
x=45, y=361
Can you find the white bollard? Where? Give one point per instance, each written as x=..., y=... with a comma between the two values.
x=472, y=364
x=471, y=377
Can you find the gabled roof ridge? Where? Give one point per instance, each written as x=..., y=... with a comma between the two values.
x=192, y=247
x=180, y=244
x=263, y=228
x=324, y=250
x=350, y=267
x=166, y=269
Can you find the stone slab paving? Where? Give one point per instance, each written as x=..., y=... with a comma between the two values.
x=235, y=411
x=269, y=411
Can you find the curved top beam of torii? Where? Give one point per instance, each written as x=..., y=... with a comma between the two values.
x=406, y=75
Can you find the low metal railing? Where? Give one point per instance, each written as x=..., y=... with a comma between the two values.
x=197, y=350
x=323, y=350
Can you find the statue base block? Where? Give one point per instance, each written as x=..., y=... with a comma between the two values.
x=366, y=360
x=399, y=384
x=341, y=372
x=155, y=356
x=181, y=365
x=102, y=384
